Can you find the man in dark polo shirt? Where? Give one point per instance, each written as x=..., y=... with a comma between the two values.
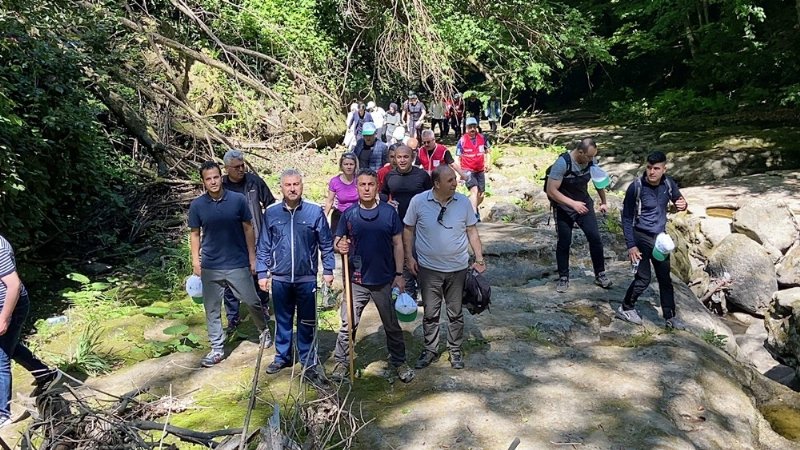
x=644, y=216
x=222, y=232
x=370, y=233
x=399, y=187
x=258, y=195
x=439, y=224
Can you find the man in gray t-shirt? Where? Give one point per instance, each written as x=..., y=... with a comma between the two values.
x=441, y=223
x=567, y=187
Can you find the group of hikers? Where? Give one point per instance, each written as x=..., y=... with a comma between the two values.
x=394, y=213
x=398, y=125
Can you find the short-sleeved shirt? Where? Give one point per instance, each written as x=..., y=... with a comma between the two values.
x=346, y=194
x=404, y=186
x=8, y=265
x=223, y=245
x=559, y=168
x=439, y=247
x=371, y=233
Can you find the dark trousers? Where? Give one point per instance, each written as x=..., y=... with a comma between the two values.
x=455, y=124
x=288, y=298
x=441, y=123
x=11, y=348
x=588, y=223
x=641, y=280
x=232, y=303
x=382, y=297
x=437, y=288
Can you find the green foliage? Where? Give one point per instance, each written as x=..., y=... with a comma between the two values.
x=640, y=339
x=712, y=338
x=669, y=106
x=182, y=341
x=88, y=357
x=95, y=301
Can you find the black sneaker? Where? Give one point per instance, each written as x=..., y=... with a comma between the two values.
x=276, y=366
x=45, y=382
x=213, y=358
x=456, y=360
x=425, y=359
x=602, y=280
x=232, y=326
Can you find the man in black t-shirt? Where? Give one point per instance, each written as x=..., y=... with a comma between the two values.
x=370, y=234
x=399, y=187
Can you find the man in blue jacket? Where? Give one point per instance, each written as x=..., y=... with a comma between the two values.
x=644, y=216
x=293, y=233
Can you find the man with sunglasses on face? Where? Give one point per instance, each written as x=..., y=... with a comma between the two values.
x=239, y=179
x=440, y=223
x=370, y=234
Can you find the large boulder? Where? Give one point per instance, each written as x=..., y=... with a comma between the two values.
x=789, y=268
x=769, y=223
x=783, y=327
x=751, y=269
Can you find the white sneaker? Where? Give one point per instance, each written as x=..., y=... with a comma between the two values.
x=629, y=316
x=5, y=421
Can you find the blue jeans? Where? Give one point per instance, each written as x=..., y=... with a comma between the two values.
x=286, y=299
x=10, y=348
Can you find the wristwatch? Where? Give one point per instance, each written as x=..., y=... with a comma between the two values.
x=398, y=274
x=480, y=262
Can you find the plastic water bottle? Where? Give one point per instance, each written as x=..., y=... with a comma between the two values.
x=634, y=267
x=395, y=292
x=57, y=320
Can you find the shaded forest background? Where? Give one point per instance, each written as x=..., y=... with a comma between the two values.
x=107, y=108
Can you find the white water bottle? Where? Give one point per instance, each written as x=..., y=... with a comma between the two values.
x=57, y=320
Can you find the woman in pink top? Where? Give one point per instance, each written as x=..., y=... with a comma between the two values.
x=342, y=191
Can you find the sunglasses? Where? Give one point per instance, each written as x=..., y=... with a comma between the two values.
x=441, y=216
x=428, y=142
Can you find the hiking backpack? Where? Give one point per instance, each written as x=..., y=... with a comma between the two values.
x=569, y=171
x=637, y=185
x=477, y=292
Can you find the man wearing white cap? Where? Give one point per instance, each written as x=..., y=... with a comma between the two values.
x=378, y=114
x=372, y=153
x=644, y=217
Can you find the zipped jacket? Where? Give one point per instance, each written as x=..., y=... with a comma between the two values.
x=290, y=242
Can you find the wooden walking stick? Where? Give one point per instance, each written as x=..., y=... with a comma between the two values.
x=348, y=297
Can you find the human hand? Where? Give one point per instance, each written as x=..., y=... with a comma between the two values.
x=681, y=204
x=580, y=207
x=400, y=283
x=394, y=203
x=413, y=267
x=264, y=284
x=196, y=268
x=343, y=245
x=328, y=279
x=603, y=208
x=252, y=267
x=479, y=267
x=634, y=255
x=4, y=323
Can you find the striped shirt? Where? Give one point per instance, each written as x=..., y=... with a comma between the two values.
x=7, y=266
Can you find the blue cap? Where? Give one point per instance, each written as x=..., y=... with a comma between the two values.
x=472, y=121
x=368, y=129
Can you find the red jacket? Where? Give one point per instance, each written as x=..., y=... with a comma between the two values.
x=473, y=156
x=432, y=162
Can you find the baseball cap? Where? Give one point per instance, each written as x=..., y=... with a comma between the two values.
x=371, y=105
x=368, y=129
x=472, y=121
x=412, y=94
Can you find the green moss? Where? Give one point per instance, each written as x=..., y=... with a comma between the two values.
x=785, y=420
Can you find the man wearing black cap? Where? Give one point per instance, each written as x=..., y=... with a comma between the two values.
x=414, y=115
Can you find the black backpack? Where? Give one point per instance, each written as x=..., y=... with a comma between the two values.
x=569, y=172
x=477, y=292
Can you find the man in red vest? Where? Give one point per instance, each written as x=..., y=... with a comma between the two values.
x=432, y=155
x=473, y=151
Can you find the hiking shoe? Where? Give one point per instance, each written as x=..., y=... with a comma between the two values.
x=456, y=360
x=629, y=316
x=602, y=280
x=315, y=377
x=276, y=366
x=212, y=358
x=265, y=338
x=673, y=323
x=404, y=373
x=341, y=372
x=45, y=382
x=425, y=359
x=562, y=285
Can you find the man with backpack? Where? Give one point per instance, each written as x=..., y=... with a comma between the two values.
x=644, y=216
x=567, y=187
x=414, y=113
x=439, y=224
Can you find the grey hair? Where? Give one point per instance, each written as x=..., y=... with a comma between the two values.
x=232, y=154
x=428, y=133
x=290, y=173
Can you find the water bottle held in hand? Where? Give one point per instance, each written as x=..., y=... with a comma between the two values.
x=395, y=293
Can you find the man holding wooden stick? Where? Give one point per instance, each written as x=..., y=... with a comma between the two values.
x=370, y=234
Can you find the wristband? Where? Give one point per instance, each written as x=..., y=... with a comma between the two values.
x=398, y=274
